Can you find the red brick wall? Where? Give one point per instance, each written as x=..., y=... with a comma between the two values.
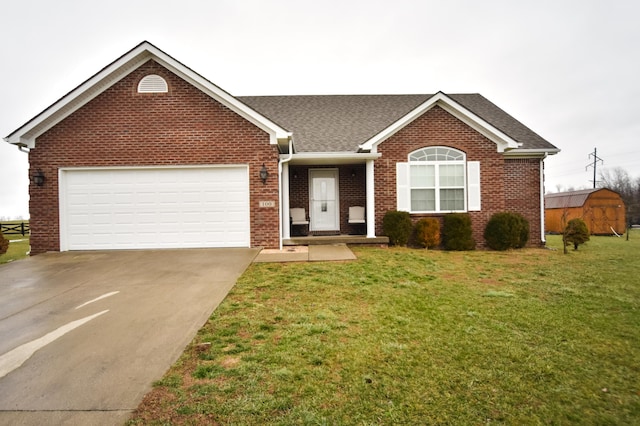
x=498, y=176
x=522, y=193
x=121, y=127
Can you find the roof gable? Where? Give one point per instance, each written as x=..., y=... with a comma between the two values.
x=351, y=123
x=334, y=123
x=26, y=135
x=503, y=141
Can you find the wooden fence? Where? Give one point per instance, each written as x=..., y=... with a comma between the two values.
x=14, y=228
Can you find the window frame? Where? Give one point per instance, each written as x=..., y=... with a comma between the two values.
x=443, y=156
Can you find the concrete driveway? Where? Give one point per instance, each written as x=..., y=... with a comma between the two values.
x=83, y=335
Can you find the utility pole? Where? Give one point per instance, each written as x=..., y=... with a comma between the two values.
x=594, y=154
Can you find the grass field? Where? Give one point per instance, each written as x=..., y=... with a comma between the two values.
x=18, y=247
x=404, y=336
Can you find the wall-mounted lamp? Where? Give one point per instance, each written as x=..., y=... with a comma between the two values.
x=264, y=173
x=38, y=178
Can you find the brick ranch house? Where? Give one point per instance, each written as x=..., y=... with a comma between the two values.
x=148, y=153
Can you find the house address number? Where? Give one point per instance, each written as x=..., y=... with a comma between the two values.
x=267, y=203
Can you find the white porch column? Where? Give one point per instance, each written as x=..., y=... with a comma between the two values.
x=286, y=229
x=371, y=205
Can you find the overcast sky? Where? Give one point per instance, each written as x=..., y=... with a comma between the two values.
x=569, y=70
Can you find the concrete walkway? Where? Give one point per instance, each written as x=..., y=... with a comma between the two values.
x=314, y=253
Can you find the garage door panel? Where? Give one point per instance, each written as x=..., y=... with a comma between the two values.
x=155, y=208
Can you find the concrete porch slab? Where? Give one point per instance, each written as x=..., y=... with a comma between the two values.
x=330, y=252
x=314, y=253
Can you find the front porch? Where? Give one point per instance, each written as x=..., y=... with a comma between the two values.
x=323, y=193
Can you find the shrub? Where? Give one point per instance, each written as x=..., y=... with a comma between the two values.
x=397, y=226
x=576, y=233
x=506, y=231
x=457, y=233
x=4, y=244
x=428, y=232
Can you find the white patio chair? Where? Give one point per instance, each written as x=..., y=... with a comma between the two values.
x=298, y=217
x=356, y=215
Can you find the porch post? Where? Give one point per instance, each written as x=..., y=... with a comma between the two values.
x=286, y=229
x=371, y=205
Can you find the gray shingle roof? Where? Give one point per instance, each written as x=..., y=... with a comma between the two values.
x=340, y=123
x=491, y=113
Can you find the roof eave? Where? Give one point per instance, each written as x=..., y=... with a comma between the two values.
x=531, y=153
x=329, y=158
x=26, y=135
x=503, y=141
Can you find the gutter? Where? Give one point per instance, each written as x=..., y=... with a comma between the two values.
x=542, y=224
x=280, y=189
x=531, y=153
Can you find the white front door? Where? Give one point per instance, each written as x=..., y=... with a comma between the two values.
x=324, y=205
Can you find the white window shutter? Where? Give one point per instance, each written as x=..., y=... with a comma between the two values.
x=473, y=186
x=403, y=189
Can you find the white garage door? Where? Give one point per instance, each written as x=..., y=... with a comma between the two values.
x=154, y=208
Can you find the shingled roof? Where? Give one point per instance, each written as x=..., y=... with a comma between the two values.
x=569, y=199
x=340, y=123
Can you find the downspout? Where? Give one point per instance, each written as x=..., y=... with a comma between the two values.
x=280, y=189
x=542, y=224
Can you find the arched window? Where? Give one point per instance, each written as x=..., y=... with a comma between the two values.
x=153, y=83
x=437, y=180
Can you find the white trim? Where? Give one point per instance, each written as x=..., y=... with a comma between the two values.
x=542, y=222
x=26, y=135
x=474, y=196
x=531, y=153
x=330, y=158
x=403, y=187
x=503, y=141
x=283, y=196
x=284, y=215
x=371, y=200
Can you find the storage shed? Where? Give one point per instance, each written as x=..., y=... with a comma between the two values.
x=602, y=210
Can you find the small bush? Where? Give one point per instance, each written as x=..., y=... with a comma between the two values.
x=397, y=226
x=457, y=233
x=506, y=231
x=4, y=244
x=428, y=232
x=576, y=233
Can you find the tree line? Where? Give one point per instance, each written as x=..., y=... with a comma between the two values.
x=619, y=180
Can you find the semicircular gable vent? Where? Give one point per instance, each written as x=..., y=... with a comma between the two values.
x=153, y=83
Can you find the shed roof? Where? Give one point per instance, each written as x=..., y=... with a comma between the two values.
x=569, y=199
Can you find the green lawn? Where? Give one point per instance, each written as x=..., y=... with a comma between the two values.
x=404, y=336
x=18, y=248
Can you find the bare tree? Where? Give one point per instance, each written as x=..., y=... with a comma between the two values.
x=619, y=180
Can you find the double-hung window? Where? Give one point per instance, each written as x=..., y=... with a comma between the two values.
x=438, y=180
